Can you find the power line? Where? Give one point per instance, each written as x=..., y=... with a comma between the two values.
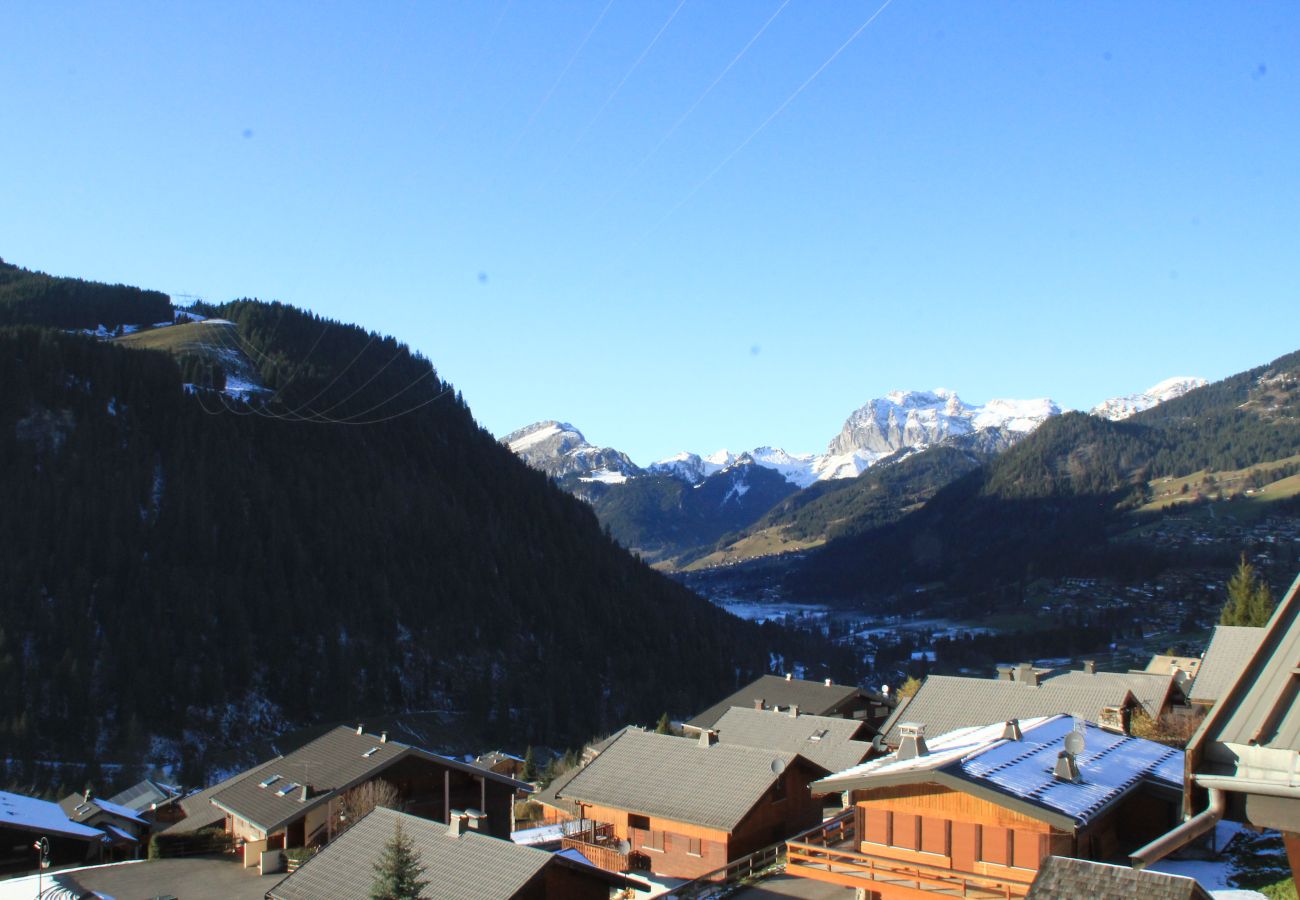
x=757, y=131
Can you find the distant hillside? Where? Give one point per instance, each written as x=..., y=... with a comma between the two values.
x=38, y=299
x=185, y=570
x=1056, y=502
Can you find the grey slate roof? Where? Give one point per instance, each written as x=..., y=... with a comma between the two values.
x=677, y=778
x=77, y=808
x=824, y=740
x=947, y=702
x=1060, y=877
x=1258, y=709
x=144, y=795
x=198, y=808
x=469, y=867
x=814, y=697
x=335, y=761
x=1148, y=688
x=1230, y=649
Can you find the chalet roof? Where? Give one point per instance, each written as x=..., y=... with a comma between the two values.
x=1163, y=665
x=947, y=702
x=198, y=808
x=270, y=796
x=825, y=740
x=814, y=697
x=145, y=794
x=1258, y=708
x=1061, y=876
x=1018, y=774
x=679, y=779
x=1230, y=649
x=1149, y=688
x=31, y=814
x=471, y=866
x=77, y=808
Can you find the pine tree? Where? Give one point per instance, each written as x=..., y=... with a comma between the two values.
x=1250, y=599
x=665, y=725
x=398, y=871
x=530, y=765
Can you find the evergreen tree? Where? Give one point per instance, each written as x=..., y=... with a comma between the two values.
x=530, y=765
x=398, y=871
x=1250, y=600
x=665, y=725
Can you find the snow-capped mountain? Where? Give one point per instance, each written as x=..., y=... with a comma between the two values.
x=560, y=450
x=1118, y=408
x=913, y=419
x=691, y=467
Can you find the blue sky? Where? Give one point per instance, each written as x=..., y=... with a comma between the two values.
x=1007, y=199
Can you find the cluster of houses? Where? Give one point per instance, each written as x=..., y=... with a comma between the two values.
x=1028, y=783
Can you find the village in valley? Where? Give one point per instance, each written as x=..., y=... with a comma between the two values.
x=1175, y=779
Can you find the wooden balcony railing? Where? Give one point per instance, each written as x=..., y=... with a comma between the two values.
x=879, y=874
x=596, y=841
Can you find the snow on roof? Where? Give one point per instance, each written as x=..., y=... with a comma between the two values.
x=18, y=811
x=1022, y=770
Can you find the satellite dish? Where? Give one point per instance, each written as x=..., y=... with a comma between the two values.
x=624, y=847
x=778, y=766
x=1074, y=743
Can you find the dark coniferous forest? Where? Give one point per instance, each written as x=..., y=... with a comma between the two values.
x=184, y=570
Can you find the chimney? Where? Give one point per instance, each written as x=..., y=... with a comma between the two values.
x=477, y=819
x=1011, y=732
x=794, y=711
x=1090, y=666
x=1026, y=675
x=1066, y=767
x=304, y=793
x=361, y=729
x=760, y=703
x=383, y=737
x=456, y=823
x=1006, y=673
x=913, y=742
x=708, y=737
x=788, y=676
x=828, y=682
x=89, y=794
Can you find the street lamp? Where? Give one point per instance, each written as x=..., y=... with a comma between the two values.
x=42, y=847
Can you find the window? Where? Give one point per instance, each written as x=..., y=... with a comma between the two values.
x=876, y=828
x=655, y=841
x=995, y=845
x=907, y=831
x=1027, y=849
x=641, y=822
x=934, y=835
x=694, y=847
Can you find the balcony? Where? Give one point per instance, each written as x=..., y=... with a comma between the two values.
x=828, y=854
x=596, y=841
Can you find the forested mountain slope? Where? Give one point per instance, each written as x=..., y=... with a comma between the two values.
x=1052, y=504
x=184, y=570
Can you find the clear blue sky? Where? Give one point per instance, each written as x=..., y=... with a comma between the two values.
x=1009, y=199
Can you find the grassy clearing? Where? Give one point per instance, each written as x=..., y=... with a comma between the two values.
x=1201, y=484
x=768, y=542
x=193, y=337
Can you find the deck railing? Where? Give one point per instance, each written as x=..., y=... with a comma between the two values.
x=596, y=841
x=850, y=868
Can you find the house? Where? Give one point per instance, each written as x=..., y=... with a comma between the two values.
x=684, y=807
x=1183, y=668
x=502, y=763
x=983, y=806
x=157, y=803
x=818, y=698
x=829, y=742
x=944, y=703
x=1061, y=876
x=25, y=820
x=127, y=832
x=195, y=811
x=1230, y=649
x=457, y=863
x=1242, y=761
x=303, y=798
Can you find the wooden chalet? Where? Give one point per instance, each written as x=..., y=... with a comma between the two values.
x=302, y=799
x=1243, y=763
x=684, y=807
x=785, y=692
x=25, y=820
x=457, y=863
x=975, y=812
x=126, y=831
